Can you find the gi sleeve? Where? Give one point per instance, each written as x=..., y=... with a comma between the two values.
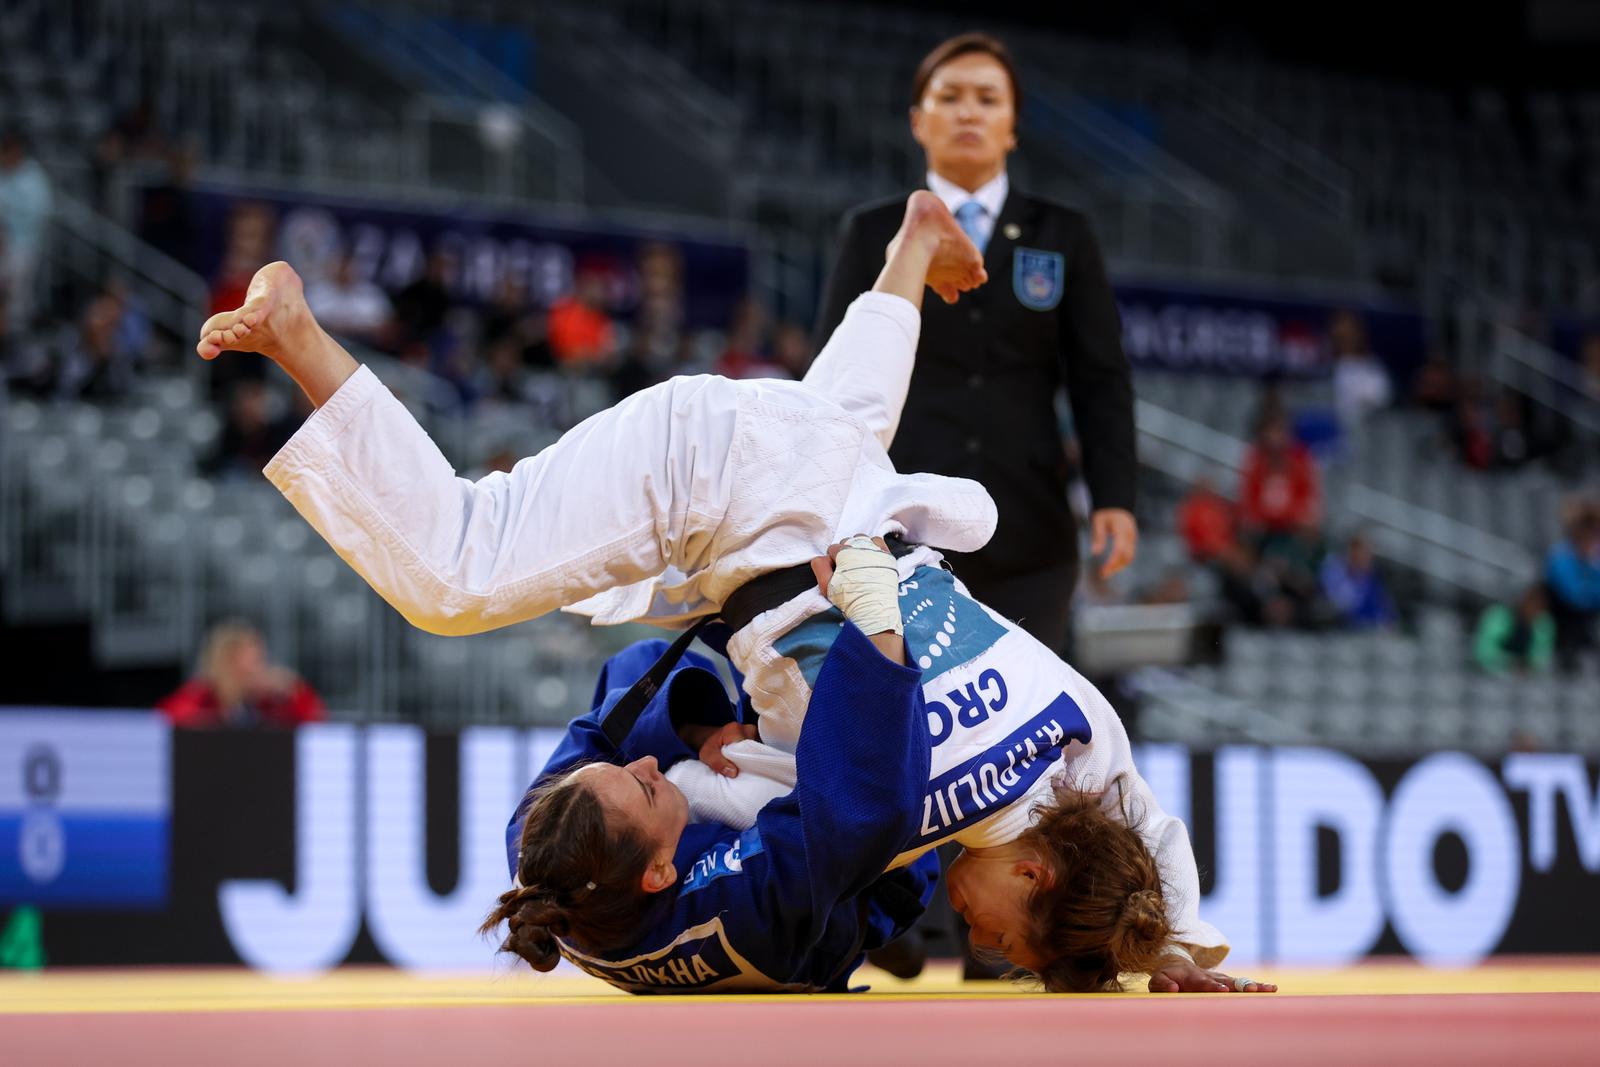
x=693, y=693
x=861, y=768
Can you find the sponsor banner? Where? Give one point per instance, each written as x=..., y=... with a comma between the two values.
x=297, y=851
x=392, y=241
x=84, y=803
x=1258, y=335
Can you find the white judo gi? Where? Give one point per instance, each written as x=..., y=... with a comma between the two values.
x=659, y=508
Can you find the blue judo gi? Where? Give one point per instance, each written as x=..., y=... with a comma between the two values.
x=793, y=903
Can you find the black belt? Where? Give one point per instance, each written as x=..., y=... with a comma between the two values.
x=738, y=611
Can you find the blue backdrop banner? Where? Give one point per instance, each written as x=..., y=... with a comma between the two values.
x=391, y=243
x=1255, y=334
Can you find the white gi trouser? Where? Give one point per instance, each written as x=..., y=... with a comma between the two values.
x=665, y=503
x=658, y=508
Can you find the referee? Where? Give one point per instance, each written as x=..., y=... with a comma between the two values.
x=982, y=400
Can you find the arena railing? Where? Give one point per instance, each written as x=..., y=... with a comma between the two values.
x=1421, y=540
x=1177, y=706
x=1300, y=168
x=522, y=137
x=92, y=247
x=1146, y=178
x=1544, y=376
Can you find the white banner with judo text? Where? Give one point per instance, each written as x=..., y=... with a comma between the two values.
x=1314, y=856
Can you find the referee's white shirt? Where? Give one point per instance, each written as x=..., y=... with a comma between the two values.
x=991, y=196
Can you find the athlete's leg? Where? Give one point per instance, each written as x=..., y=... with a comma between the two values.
x=866, y=365
x=617, y=500
x=636, y=489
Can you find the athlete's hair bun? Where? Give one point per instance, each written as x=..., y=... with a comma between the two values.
x=580, y=877
x=535, y=924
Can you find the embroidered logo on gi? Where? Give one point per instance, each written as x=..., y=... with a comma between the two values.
x=943, y=628
x=723, y=861
x=1038, y=277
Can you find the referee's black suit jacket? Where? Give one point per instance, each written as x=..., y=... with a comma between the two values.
x=982, y=397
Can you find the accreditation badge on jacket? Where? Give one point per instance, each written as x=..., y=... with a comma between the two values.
x=1038, y=277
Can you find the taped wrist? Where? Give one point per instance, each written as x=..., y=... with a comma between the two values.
x=866, y=587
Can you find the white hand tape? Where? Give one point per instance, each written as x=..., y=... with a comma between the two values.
x=866, y=586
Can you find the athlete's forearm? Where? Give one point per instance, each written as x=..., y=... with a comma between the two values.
x=892, y=645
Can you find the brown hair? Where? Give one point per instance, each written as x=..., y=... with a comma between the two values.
x=216, y=660
x=581, y=878
x=1099, y=910
x=963, y=45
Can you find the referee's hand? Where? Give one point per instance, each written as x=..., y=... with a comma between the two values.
x=1115, y=532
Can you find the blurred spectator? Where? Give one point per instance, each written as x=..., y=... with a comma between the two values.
x=512, y=316
x=744, y=355
x=1492, y=429
x=1360, y=380
x=420, y=308
x=636, y=369
x=1171, y=588
x=1434, y=387
x=1572, y=575
x=1280, y=491
x=135, y=134
x=350, y=306
x=1352, y=586
x=1519, y=639
x=1287, y=576
x=1589, y=358
x=791, y=350
x=237, y=686
x=166, y=219
x=251, y=236
x=252, y=230
x=1208, y=522
x=581, y=333
x=101, y=360
x=1473, y=430
x=661, y=311
x=251, y=436
x=503, y=376
x=1513, y=440
x=25, y=205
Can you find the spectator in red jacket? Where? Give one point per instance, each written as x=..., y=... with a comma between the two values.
x=1209, y=522
x=1280, y=491
x=238, y=686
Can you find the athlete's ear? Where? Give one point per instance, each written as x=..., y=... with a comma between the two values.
x=1034, y=871
x=658, y=876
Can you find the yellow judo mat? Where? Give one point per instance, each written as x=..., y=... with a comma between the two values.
x=1522, y=1012
x=354, y=988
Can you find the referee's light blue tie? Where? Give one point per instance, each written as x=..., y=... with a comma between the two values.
x=970, y=218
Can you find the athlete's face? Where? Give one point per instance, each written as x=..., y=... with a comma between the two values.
x=640, y=796
x=990, y=889
x=966, y=120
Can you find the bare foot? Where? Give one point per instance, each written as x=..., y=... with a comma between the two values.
x=957, y=265
x=273, y=319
